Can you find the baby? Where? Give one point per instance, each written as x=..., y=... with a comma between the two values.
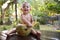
x=27, y=20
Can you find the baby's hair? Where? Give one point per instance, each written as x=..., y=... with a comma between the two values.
x=25, y=3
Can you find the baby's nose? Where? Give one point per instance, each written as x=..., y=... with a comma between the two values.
x=25, y=7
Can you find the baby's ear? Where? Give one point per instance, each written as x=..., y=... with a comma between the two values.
x=30, y=8
x=20, y=8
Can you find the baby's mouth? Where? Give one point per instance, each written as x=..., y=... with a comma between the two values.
x=25, y=10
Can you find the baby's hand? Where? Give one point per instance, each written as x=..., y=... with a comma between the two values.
x=29, y=26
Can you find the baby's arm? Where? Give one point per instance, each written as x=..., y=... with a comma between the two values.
x=29, y=24
x=32, y=19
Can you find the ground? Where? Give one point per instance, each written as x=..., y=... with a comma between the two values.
x=47, y=31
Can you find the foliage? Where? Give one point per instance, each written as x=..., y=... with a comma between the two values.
x=2, y=1
x=5, y=27
x=40, y=8
x=54, y=6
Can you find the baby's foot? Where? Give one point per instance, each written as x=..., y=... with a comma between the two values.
x=38, y=39
x=7, y=34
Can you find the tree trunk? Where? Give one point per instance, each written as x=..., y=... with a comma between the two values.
x=1, y=17
x=16, y=8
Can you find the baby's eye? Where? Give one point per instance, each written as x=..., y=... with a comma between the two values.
x=23, y=6
x=27, y=6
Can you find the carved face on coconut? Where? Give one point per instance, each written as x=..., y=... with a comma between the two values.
x=22, y=30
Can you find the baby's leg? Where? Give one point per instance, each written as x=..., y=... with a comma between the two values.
x=33, y=31
x=11, y=31
x=36, y=34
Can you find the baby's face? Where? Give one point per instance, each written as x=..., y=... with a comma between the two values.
x=26, y=8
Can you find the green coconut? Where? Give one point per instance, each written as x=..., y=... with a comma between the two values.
x=22, y=30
